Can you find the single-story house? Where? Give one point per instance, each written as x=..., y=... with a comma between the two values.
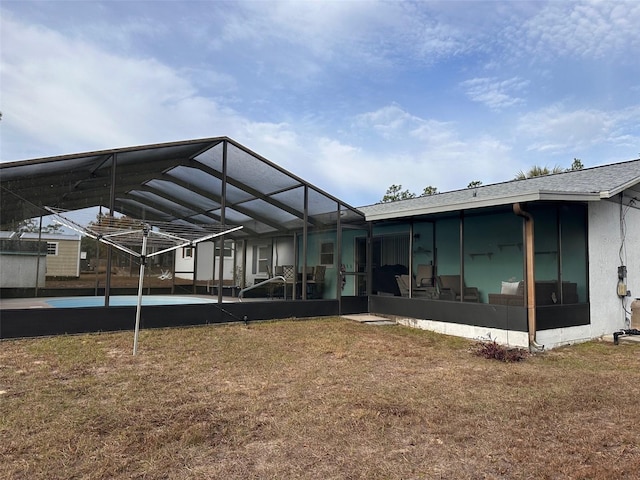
x=542, y=261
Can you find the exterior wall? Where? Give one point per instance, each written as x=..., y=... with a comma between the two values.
x=19, y=270
x=208, y=265
x=565, y=336
x=281, y=253
x=206, y=268
x=605, y=243
x=505, y=337
x=67, y=261
x=184, y=264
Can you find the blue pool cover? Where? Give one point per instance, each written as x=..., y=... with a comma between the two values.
x=126, y=301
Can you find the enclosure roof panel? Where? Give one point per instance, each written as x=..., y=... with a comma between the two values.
x=177, y=181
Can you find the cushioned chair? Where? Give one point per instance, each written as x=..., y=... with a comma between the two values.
x=449, y=287
x=403, y=285
x=424, y=276
x=511, y=294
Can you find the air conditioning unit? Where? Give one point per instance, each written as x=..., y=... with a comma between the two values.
x=635, y=314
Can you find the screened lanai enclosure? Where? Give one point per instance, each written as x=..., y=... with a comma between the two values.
x=477, y=258
x=286, y=239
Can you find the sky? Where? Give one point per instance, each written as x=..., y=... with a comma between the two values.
x=352, y=96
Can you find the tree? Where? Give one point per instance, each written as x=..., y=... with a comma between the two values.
x=31, y=225
x=537, y=171
x=395, y=192
x=474, y=184
x=576, y=165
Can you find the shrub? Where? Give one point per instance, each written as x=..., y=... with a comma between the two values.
x=493, y=350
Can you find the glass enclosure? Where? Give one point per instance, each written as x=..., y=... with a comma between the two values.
x=479, y=256
x=560, y=254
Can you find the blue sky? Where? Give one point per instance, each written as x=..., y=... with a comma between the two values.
x=352, y=96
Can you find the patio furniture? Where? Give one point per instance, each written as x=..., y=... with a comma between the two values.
x=403, y=286
x=449, y=287
x=547, y=293
x=315, y=285
x=424, y=276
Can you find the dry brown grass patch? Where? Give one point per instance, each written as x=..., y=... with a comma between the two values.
x=326, y=398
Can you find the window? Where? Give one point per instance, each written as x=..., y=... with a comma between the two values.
x=326, y=253
x=187, y=252
x=260, y=258
x=228, y=252
x=52, y=248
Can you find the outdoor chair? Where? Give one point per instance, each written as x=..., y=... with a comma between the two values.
x=424, y=276
x=403, y=286
x=449, y=287
x=165, y=275
x=315, y=286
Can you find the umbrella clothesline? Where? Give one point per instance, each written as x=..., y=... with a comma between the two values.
x=126, y=233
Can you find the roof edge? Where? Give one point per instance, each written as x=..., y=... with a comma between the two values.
x=487, y=202
x=621, y=188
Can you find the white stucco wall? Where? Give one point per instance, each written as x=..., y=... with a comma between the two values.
x=504, y=337
x=605, y=242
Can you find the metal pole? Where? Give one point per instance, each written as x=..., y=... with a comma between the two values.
x=340, y=273
x=112, y=203
x=143, y=261
x=38, y=256
x=223, y=213
x=305, y=241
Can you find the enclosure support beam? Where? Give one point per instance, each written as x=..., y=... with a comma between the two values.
x=223, y=206
x=112, y=206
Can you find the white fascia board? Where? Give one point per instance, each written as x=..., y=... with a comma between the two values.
x=487, y=202
x=451, y=207
x=570, y=196
x=621, y=188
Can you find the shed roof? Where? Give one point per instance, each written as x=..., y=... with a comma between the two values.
x=184, y=182
x=589, y=184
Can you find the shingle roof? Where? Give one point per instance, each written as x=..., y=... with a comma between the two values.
x=589, y=184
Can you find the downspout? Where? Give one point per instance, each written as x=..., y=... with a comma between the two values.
x=530, y=275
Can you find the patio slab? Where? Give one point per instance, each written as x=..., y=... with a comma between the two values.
x=369, y=319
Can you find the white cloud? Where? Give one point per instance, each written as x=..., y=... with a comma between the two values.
x=494, y=93
x=591, y=29
x=556, y=130
x=388, y=122
x=71, y=95
x=414, y=152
